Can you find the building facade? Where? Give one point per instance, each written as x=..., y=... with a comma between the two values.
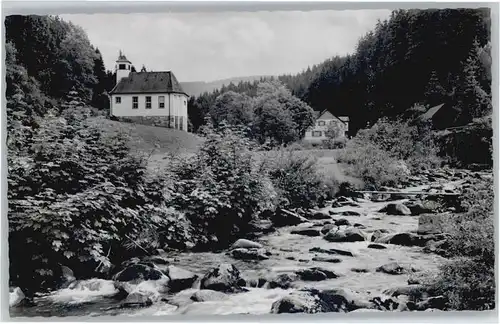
x=317, y=133
x=154, y=98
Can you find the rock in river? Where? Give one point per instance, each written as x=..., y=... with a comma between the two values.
x=137, y=300
x=377, y=246
x=208, y=295
x=331, y=251
x=342, y=222
x=283, y=217
x=308, y=301
x=396, y=209
x=316, y=274
x=317, y=215
x=139, y=272
x=431, y=223
x=350, y=213
x=226, y=278
x=180, y=279
x=392, y=268
x=326, y=259
x=283, y=281
x=247, y=244
x=249, y=254
x=327, y=228
x=16, y=297
x=405, y=239
x=347, y=235
x=306, y=232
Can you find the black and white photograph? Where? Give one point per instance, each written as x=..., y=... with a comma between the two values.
x=174, y=163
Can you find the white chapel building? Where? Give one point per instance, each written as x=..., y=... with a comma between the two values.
x=151, y=95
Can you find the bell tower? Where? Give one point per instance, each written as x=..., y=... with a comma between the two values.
x=122, y=67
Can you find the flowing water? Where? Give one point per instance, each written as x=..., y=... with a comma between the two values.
x=290, y=252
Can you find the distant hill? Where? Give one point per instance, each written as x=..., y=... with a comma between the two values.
x=198, y=87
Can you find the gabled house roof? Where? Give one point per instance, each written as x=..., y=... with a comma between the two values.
x=431, y=112
x=343, y=119
x=148, y=82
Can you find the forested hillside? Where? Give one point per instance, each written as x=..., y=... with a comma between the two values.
x=415, y=57
x=56, y=57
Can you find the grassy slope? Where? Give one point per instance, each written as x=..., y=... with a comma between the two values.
x=151, y=139
x=158, y=142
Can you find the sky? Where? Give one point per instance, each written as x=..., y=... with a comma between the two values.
x=213, y=46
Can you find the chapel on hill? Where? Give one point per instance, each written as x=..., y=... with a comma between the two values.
x=151, y=95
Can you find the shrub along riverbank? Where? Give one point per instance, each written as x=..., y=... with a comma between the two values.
x=79, y=197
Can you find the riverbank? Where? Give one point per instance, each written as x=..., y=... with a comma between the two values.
x=295, y=258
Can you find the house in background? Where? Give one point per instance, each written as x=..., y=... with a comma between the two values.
x=316, y=134
x=154, y=98
x=442, y=116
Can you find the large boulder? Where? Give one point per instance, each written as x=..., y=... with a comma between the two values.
x=396, y=209
x=417, y=208
x=416, y=292
x=307, y=301
x=67, y=277
x=208, y=295
x=317, y=215
x=306, y=232
x=342, y=222
x=431, y=223
x=331, y=251
x=392, y=268
x=436, y=302
x=16, y=297
x=347, y=235
x=404, y=239
x=386, y=304
x=284, y=217
x=180, y=279
x=249, y=254
x=350, y=213
x=137, y=300
x=352, y=299
x=327, y=228
x=326, y=259
x=377, y=246
x=226, y=278
x=138, y=272
x=316, y=274
x=438, y=247
x=378, y=233
x=246, y=244
x=152, y=289
x=283, y=281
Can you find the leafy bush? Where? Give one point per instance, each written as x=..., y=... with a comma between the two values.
x=220, y=188
x=295, y=176
x=75, y=195
x=468, y=280
x=334, y=143
x=387, y=152
x=371, y=164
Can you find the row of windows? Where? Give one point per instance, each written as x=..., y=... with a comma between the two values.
x=323, y=123
x=135, y=102
x=318, y=133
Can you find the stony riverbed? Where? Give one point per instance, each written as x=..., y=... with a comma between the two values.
x=290, y=251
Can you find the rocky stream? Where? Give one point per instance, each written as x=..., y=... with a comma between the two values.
x=361, y=253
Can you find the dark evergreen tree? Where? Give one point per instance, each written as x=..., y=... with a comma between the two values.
x=434, y=93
